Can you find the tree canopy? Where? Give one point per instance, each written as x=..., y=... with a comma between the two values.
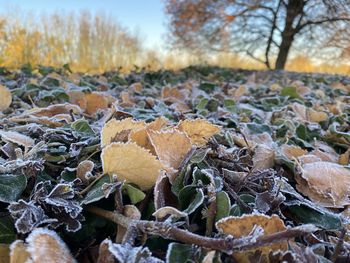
x=265, y=30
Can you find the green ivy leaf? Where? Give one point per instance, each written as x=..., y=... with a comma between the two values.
x=7, y=231
x=96, y=193
x=135, y=194
x=11, y=187
x=223, y=204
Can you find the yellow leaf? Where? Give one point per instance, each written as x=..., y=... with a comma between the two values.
x=19, y=253
x=5, y=98
x=325, y=183
x=46, y=246
x=198, y=130
x=171, y=146
x=132, y=163
x=243, y=226
x=140, y=136
x=113, y=127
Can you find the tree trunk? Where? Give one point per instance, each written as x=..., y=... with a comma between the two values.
x=294, y=9
x=283, y=52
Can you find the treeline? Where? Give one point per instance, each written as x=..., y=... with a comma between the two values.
x=96, y=42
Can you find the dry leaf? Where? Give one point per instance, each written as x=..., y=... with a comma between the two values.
x=243, y=226
x=78, y=98
x=19, y=253
x=54, y=110
x=4, y=253
x=264, y=157
x=292, y=151
x=5, y=98
x=113, y=127
x=132, y=163
x=198, y=130
x=325, y=183
x=84, y=170
x=46, y=246
x=344, y=158
x=171, y=146
x=140, y=136
x=17, y=138
x=95, y=101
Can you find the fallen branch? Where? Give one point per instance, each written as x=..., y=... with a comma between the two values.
x=226, y=244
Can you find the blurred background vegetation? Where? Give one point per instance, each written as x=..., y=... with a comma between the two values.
x=94, y=42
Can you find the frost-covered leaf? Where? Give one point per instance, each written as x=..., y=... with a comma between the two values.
x=96, y=192
x=28, y=216
x=125, y=253
x=17, y=138
x=7, y=231
x=46, y=246
x=244, y=226
x=114, y=127
x=171, y=146
x=11, y=187
x=19, y=253
x=198, y=130
x=325, y=183
x=5, y=98
x=131, y=163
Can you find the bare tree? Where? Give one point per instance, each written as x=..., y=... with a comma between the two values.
x=265, y=30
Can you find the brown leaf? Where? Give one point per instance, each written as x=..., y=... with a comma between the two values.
x=5, y=98
x=264, y=157
x=325, y=183
x=132, y=163
x=95, y=101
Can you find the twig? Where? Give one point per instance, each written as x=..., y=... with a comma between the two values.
x=227, y=244
x=339, y=246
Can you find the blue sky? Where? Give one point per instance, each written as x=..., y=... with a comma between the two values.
x=146, y=16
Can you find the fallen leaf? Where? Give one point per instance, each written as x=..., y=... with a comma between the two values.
x=78, y=98
x=292, y=151
x=4, y=253
x=19, y=253
x=244, y=225
x=140, y=136
x=95, y=101
x=132, y=163
x=198, y=130
x=46, y=246
x=171, y=146
x=344, y=158
x=5, y=98
x=264, y=157
x=113, y=127
x=325, y=183
x=17, y=138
